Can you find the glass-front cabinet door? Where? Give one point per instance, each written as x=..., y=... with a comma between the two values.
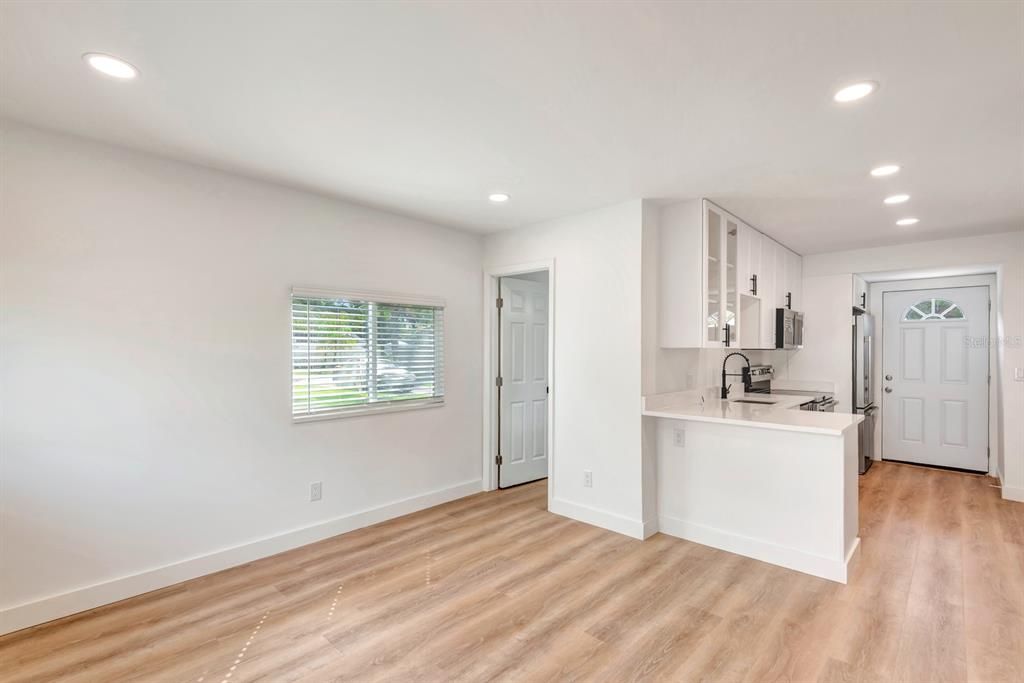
x=730, y=273
x=721, y=268
x=714, y=294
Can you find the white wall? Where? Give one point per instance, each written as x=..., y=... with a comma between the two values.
x=827, y=354
x=1000, y=253
x=144, y=377
x=597, y=376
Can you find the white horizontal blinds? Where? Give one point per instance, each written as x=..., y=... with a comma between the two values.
x=350, y=354
x=409, y=352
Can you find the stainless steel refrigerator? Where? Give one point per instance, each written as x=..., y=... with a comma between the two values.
x=863, y=396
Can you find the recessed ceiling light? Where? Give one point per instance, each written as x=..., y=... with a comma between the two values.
x=498, y=197
x=111, y=66
x=882, y=171
x=897, y=199
x=906, y=221
x=856, y=91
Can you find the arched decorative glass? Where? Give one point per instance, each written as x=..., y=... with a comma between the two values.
x=933, y=309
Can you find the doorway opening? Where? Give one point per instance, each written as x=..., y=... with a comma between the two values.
x=935, y=372
x=519, y=412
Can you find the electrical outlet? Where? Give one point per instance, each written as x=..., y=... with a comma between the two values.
x=316, y=491
x=691, y=381
x=588, y=478
x=1018, y=374
x=679, y=438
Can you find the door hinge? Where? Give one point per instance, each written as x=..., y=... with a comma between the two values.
x=499, y=302
x=498, y=382
x=497, y=459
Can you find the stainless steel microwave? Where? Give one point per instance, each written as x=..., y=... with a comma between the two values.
x=789, y=329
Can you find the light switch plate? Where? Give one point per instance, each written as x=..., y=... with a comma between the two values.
x=1018, y=374
x=679, y=438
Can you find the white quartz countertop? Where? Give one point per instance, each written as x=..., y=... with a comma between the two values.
x=782, y=412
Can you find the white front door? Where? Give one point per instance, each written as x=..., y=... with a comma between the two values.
x=523, y=438
x=935, y=377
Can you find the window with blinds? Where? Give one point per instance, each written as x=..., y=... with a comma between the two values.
x=355, y=353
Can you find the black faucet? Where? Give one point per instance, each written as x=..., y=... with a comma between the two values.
x=745, y=374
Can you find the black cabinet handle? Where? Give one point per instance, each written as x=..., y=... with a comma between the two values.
x=727, y=329
x=864, y=300
x=753, y=284
x=789, y=300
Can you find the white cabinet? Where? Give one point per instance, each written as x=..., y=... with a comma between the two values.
x=779, y=286
x=720, y=280
x=749, y=260
x=698, y=252
x=772, y=287
x=860, y=292
x=794, y=279
x=781, y=276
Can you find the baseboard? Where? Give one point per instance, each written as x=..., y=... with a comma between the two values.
x=791, y=558
x=611, y=521
x=650, y=528
x=852, y=558
x=89, y=597
x=1013, y=493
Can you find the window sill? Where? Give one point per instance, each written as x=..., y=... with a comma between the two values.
x=370, y=410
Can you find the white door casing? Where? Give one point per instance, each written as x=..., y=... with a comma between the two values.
x=524, y=382
x=935, y=374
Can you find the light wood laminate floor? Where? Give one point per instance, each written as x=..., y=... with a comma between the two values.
x=493, y=587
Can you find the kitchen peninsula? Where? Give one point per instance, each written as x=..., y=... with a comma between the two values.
x=756, y=476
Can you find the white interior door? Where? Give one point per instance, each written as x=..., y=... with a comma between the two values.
x=935, y=377
x=523, y=438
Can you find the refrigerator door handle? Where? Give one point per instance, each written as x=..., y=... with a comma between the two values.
x=868, y=394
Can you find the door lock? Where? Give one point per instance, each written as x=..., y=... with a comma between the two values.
x=888, y=378
x=888, y=390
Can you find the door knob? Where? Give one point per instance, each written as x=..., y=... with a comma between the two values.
x=888, y=390
x=888, y=378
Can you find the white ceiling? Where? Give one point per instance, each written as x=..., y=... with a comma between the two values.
x=424, y=108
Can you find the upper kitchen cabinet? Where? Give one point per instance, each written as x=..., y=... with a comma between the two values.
x=860, y=292
x=779, y=286
x=749, y=260
x=794, y=280
x=768, y=291
x=698, y=252
x=720, y=280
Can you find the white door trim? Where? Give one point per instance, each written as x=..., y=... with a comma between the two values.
x=490, y=403
x=877, y=289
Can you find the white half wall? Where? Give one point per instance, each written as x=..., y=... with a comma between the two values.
x=596, y=383
x=145, y=426
x=788, y=498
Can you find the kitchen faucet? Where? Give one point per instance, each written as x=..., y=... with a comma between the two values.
x=745, y=374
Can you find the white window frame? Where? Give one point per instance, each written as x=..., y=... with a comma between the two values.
x=376, y=297
x=933, y=316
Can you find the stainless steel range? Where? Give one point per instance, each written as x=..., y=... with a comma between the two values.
x=759, y=381
x=823, y=403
